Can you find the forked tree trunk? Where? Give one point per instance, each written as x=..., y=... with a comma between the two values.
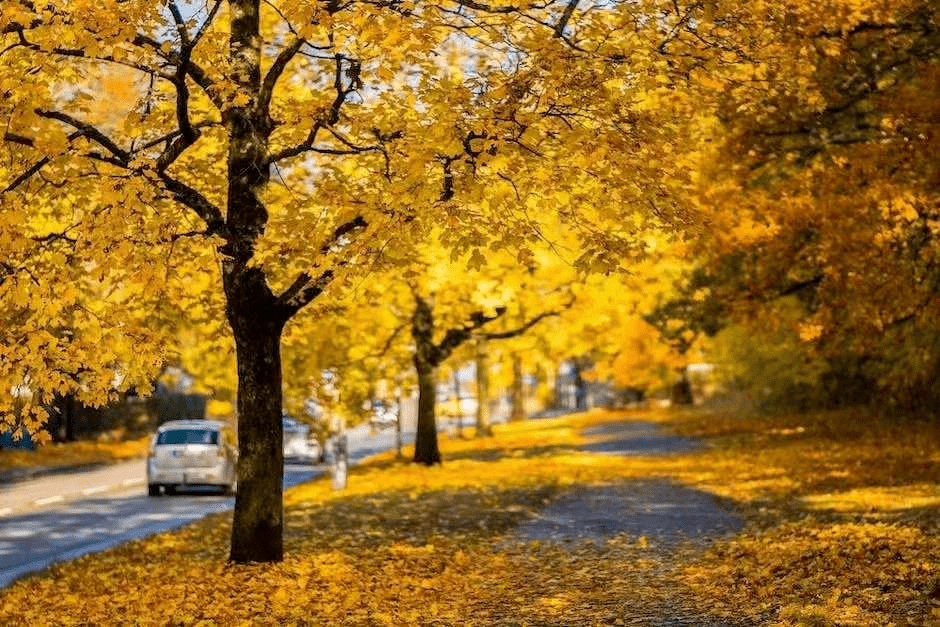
x=483, y=427
x=426, y=449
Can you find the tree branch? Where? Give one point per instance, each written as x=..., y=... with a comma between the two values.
x=505, y=335
x=26, y=175
x=302, y=291
x=275, y=71
x=455, y=337
x=90, y=132
x=305, y=288
x=331, y=117
x=182, y=193
x=565, y=17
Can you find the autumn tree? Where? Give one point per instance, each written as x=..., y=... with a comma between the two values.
x=281, y=147
x=819, y=183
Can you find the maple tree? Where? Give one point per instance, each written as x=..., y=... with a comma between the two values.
x=279, y=149
x=449, y=303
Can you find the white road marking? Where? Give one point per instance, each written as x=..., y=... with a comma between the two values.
x=5, y=511
x=49, y=499
x=95, y=490
x=128, y=482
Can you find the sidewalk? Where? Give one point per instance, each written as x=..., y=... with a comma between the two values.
x=55, y=485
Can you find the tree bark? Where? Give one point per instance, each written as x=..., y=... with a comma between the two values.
x=426, y=448
x=258, y=524
x=426, y=359
x=483, y=426
x=518, y=390
x=256, y=316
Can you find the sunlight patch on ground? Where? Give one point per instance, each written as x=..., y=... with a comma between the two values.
x=875, y=498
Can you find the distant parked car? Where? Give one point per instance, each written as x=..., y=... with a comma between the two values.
x=383, y=415
x=298, y=445
x=191, y=454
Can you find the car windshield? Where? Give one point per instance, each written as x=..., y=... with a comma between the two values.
x=188, y=436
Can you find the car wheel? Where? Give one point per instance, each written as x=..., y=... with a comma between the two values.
x=153, y=489
x=168, y=489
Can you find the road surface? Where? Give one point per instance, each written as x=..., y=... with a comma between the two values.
x=63, y=516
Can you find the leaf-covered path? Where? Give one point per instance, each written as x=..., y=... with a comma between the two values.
x=660, y=511
x=588, y=519
x=664, y=523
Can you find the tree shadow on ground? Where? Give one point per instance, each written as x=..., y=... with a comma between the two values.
x=402, y=516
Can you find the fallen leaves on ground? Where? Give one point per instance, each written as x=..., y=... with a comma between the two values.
x=410, y=545
x=845, y=517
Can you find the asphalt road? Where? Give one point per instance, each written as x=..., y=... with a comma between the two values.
x=63, y=516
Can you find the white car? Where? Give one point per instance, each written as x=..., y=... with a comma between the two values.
x=191, y=454
x=298, y=445
x=383, y=415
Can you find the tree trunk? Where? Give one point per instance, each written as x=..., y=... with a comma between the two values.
x=518, y=390
x=254, y=313
x=546, y=388
x=258, y=522
x=459, y=403
x=68, y=416
x=483, y=427
x=682, y=389
x=580, y=393
x=398, y=434
x=426, y=359
x=426, y=449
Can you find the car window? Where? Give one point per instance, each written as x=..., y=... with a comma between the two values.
x=188, y=436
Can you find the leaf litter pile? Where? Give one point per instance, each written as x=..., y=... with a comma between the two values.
x=841, y=529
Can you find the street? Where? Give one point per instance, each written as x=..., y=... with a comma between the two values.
x=66, y=515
